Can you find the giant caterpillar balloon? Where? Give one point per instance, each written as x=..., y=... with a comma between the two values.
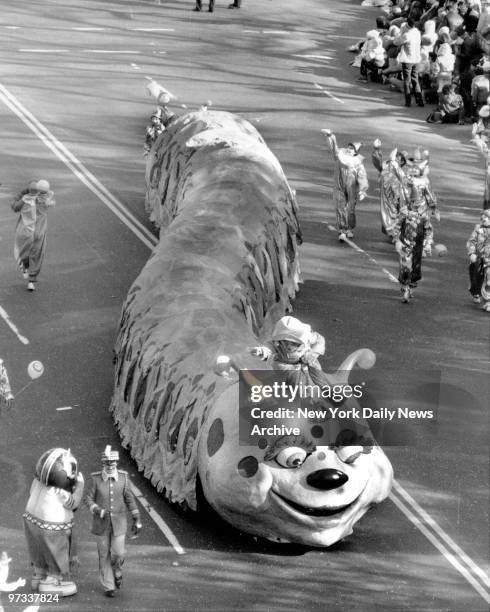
x=223, y=272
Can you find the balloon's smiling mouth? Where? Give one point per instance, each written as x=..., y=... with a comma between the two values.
x=322, y=511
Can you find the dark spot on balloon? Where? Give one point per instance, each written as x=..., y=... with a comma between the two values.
x=216, y=437
x=262, y=443
x=321, y=456
x=317, y=431
x=248, y=466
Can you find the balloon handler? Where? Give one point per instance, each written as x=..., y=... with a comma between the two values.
x=108, y=496
x=56, y=492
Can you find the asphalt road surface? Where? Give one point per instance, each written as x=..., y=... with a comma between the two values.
x=73, y=109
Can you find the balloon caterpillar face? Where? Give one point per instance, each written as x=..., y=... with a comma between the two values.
x=292, y=491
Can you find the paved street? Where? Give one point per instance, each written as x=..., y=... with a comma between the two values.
x=73, y=109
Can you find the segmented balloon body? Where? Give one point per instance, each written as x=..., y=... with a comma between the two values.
x=223, y=272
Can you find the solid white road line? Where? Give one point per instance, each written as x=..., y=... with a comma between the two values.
x=6, y=318
x=442, y=534
x=161, y=524
x=78, y=169
x=454, y=559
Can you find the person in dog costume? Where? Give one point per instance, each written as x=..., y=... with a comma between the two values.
x=56, y=492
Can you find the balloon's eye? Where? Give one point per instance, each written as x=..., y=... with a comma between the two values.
x=292, y=457
x=348, y=454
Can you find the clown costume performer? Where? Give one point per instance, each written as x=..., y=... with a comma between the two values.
x=478, y=248
x=56, y=492
x=350, y=183
x=481, y=141
x=294, y=343
x=413, y=231
x=392, y=181
x=31, y=229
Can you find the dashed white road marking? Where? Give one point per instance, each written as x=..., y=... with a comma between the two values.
x=152, y=29
x=89, y=29
x=62, y=408
x=327, y=93
x=29, y=50
x=472, y=573
x=112, y=51
x=6, y=318
x=326, y=57
x=357, y=248
x=275, y=32
x=161, y=524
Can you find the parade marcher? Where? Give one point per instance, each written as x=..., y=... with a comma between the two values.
x=294, y=343
x=30, y=233
x=478, y=248
x=480, y=138
x=56, y=492
x=413, y=231
x=109, y=496
x=153, y=130
x=391, y=186
x=350, y=183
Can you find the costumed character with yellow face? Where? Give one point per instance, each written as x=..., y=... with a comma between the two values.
x=56, y=492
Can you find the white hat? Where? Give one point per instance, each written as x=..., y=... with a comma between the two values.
x=289, y=328
x=110, y=455
x=484, y=111
x=43, y=186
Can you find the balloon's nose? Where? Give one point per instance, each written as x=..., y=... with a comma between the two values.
x=327, y=479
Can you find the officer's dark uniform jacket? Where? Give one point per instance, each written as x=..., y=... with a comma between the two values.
x=113, y=496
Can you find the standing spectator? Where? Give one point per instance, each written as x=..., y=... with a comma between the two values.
x=478, y=247
x=236, y=4
x=480, y=90
x=32, y=225
x=409, y=57
x=350, y=183
x=109, y=495
x=199, y=6
x=443, y=67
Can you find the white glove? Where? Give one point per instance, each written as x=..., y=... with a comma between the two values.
x=473, y=258
x=437, y=215
x=377, y=143
x=327, y=131
x=264, y=352
x=398, y=246
x=361, y=197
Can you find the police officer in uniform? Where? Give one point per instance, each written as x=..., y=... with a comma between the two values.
x=108, y=498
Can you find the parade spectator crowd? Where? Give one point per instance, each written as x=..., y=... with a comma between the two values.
x=435, y=52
